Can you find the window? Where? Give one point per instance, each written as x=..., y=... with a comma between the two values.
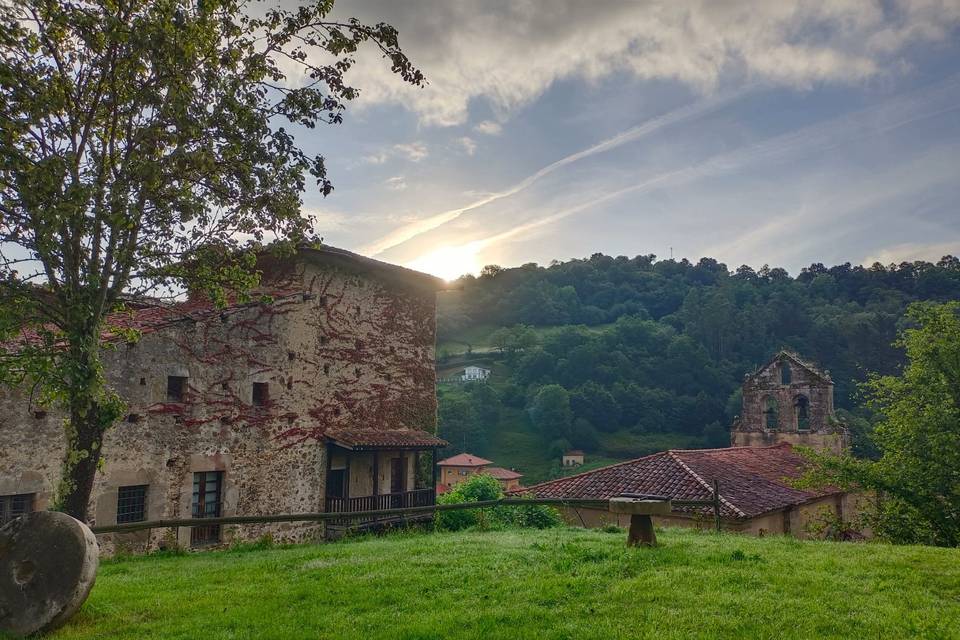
x=15, y=506
x=802, y=406
x=132, y=504
x=784, y=373
x=176, y=388
x=771, y=412
x=207, y=486
x=261, y=394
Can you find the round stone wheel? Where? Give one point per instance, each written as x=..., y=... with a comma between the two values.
x=48, y=562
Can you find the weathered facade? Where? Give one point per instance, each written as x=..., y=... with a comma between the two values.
x=322, y=399
x=789, y=400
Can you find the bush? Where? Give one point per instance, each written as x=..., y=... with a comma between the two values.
x=480, y=488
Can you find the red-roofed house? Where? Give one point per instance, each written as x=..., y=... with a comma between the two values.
x=755, y=494
x=322, y=399
x=463, y=465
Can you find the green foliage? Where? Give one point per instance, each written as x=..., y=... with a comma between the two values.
x=550, y=411
x=476, y=488
x=918, y=435
x=147, y=148
x=480, y=488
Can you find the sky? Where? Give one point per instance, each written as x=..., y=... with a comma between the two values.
x=781, y=133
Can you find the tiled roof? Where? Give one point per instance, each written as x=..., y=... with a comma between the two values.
x=383, y=439
x=502, y=474
x=574, y=452
x=752, y=480
x=464, y=460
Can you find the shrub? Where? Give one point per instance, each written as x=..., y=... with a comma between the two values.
x=480, y=488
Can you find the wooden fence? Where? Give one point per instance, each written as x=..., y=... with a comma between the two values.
x=386, y=513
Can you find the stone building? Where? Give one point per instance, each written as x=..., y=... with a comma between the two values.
x=789, y=400
x=755, y=491
x=454, y=470
x=322, y=399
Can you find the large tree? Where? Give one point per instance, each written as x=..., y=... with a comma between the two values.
x=143, y=150
x=918, y=436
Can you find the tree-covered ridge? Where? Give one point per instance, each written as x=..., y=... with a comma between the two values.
x=640, y=346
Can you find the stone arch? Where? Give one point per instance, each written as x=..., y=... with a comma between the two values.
x=771, y=412
x=786, y=376
x=801, y=407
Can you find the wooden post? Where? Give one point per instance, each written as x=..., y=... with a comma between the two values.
x=433, y=486
x=716, y=504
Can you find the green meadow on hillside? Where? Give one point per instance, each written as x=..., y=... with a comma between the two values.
x=559, y=583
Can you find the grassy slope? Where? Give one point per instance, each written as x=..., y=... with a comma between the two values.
x=561, y=583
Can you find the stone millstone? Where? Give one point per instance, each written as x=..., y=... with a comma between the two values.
x=48, y=562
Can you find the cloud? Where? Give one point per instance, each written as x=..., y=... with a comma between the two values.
x=911, y=251
x=468, y=144
x=488, y=127
x=412, y=151
x=423, y=225
x=396, y=183
x=508, y=53
x=817, y=138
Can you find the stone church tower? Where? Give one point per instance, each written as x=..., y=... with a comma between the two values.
x=789, y=400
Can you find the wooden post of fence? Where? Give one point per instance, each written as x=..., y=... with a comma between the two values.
x=716, y=504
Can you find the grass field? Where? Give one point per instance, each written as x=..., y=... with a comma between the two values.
x=561, y=583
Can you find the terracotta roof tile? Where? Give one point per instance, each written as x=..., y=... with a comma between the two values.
x=753, y=480
x=502, y=474
x=464, y=460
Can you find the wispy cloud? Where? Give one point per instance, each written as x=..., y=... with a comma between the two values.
x=396, y=183
x=821, y=137
x=911, y=251
x=488, y=127
x=468, y=144
x=412, y=151
x=405, y=233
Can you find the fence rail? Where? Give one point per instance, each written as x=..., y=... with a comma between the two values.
x=379, y=513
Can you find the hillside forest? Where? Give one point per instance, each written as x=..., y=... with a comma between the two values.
x=621, y=356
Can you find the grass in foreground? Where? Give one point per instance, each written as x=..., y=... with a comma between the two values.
x=562, y=583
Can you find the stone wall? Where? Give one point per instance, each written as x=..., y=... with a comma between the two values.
x=346, y=350
x=788, y=401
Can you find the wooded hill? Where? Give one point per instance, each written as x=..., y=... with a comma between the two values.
x=620, y=355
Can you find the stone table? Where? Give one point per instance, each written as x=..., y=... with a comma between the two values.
x=641, y=524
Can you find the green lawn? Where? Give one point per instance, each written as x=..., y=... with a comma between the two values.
x=562, y=583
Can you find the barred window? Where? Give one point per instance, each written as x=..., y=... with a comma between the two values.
x=14, y=506
x=132, y=504
x=207, y=491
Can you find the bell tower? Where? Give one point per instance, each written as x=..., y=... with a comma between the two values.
x=789, y=400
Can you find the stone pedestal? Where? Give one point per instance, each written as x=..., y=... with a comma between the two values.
x=641, y=524
x=48, y=562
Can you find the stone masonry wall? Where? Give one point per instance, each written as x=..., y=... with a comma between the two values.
x=822, y=430
x=349, y=351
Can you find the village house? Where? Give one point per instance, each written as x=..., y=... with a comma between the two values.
x=458, y=468
x=786, y=402
x=572, y=458
x=321, y=400
x=473, y=373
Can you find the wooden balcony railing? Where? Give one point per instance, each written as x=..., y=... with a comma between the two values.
x=402, y=500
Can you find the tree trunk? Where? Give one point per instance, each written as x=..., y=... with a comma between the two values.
x=84, y=451
x=91, y=409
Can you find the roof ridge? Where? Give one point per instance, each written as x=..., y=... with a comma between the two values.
x=591, y=471
x=673, y=455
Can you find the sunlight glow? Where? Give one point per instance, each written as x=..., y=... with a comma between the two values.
x=449, y=262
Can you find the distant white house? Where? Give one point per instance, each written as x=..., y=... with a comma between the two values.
x=573, y=458
x=474, y=372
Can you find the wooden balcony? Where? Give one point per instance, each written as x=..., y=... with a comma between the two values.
x=402, y=500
